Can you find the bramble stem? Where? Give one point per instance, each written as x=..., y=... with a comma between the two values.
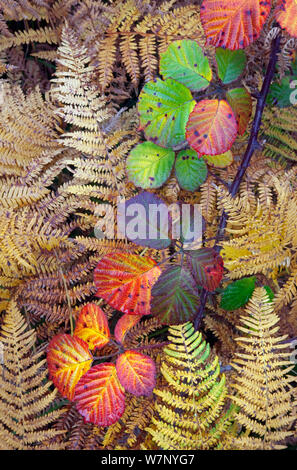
x=251, y=147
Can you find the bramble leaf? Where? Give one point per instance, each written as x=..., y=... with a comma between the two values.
x=211, y=128
x=149, y=165
x=124, y=324
x=230, y=64
x=138, y=220
x=175, y=295
x=190, y=170
x=164, y=108
x=207, y=267
x=219, y=161
x=136, y=373
x=185, y=62
x=99, y=396
x=125, y=280
x=233, y=23
x=92, y=326
x=68, y=360
x=286, y=15
x=237, y=293
x=241, y=102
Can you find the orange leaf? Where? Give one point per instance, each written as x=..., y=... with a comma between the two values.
x=92, y=326
x=212, y=127
x=136, y=372
x=125, y=281
x=124, y=324
x=99, y=396
x=68, y=359
x=286, y=15
x=233, y=23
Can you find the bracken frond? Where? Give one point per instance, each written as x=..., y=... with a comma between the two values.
x=262, y=386
x=25, y=395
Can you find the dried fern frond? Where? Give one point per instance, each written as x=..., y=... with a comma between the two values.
x=262, y=386
x=24, y=422
x=128, y=432
x=191, y=413
x=261, y=239
x=279, y=131
x=93, y=134
x=140, y=31
x=29, y=128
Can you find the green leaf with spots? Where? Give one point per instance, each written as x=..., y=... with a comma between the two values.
x=175, y=296
x=237, y=293
x=164, y=108
x=149, y=165
x=230, y=64
x=185, y=62
x=190, y=170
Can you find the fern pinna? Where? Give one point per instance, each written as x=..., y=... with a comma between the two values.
x=192, y=412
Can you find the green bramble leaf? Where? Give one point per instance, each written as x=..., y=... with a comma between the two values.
x=185, y=62
x=237, y=293
x=175, y=296
x=164, y=108
x=190, y=170
x=149, y=165
x=230, y=64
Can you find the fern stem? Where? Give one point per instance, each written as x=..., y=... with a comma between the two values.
x=251, y=147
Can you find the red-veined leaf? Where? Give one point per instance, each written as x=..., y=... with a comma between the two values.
x=68, y=360
x=233, y=23
x=207, y=267
x=124, y=324
x=286, y=15
x=92, y=326
x=99, y=396
x=125, y=281
x=175, y=295
x=241, y=103
x=136, y=372
x=211, y=128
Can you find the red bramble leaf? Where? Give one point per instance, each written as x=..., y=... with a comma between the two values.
x=286, y=15
x=124, y=324
x=68, y=359
x=136, y=372
x=125, y=281
x=233, y=23
x=92, y=326
x=207, y=267
x=99, y=396
x=212, y=127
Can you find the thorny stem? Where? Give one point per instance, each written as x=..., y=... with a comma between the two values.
x=251, y=147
